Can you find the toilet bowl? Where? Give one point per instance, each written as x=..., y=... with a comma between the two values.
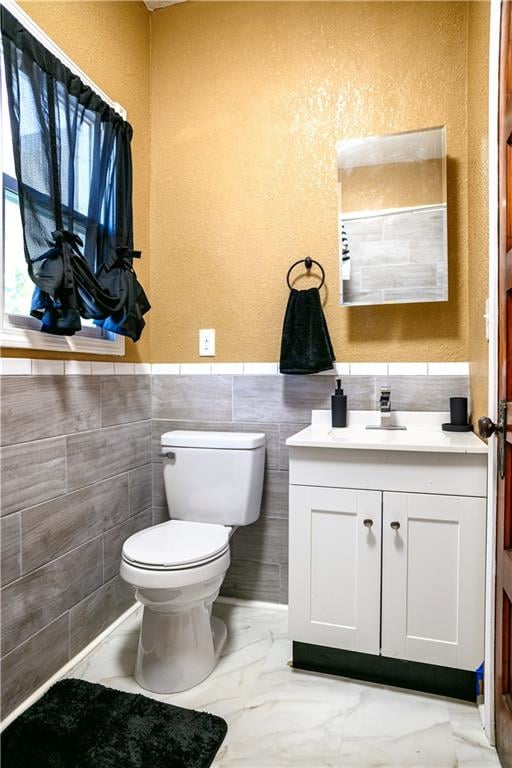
x=213, y=482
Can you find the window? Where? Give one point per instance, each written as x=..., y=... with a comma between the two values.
x=17, y=327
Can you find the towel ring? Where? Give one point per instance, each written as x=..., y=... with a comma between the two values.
x=308, y=263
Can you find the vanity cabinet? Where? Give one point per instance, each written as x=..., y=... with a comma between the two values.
x=388, y=584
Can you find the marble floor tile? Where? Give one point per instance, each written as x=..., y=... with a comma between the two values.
x=471, y=744
x=292, y=718
x=393, y=727
x=224, y=693
x=279, y=717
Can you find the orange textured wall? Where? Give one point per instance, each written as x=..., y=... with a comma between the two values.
x=110, y=42
x=248, y=102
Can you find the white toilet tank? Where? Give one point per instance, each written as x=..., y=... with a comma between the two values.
x=213, y=477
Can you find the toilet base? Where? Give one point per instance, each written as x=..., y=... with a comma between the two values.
x=178, y=650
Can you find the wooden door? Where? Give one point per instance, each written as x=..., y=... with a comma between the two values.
x=335, y=556
x=433, y=579
x=503, y=627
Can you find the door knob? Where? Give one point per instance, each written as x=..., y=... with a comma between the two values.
x=487, y=428
x=368, y=523
x=395, y=525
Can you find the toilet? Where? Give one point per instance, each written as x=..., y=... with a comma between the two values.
x=213, y=483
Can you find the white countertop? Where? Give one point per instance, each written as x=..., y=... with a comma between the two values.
x=423, y=433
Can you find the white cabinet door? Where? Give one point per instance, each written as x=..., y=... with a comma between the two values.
x=335, y=555
x=433, y=579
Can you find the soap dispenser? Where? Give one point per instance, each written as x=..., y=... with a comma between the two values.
x=339, y=406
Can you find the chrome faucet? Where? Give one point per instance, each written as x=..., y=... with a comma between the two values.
x=385, y=411
x=385, y=408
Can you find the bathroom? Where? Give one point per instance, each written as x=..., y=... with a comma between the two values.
x=243, y=117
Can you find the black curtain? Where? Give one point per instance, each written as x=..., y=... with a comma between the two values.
x=72, y=155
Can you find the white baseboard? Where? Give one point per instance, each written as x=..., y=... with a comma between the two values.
x=252, y=603
x=66, y=668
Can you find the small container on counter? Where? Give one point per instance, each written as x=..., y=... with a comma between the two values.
x=339, y=406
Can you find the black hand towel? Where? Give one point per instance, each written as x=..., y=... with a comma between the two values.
x=305, y=346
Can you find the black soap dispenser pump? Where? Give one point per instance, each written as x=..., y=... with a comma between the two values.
x=339, y=406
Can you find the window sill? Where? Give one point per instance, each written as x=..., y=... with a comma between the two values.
x=22, y=338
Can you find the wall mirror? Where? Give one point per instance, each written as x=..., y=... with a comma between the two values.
x=392, y=218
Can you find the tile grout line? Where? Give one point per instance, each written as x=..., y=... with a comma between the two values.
x=34, y=634
x=102, y=480
x=21, y=544
x=129, y=492
x=59, y=557
x=101, y=400
x=60, y=673
x=68, y=492
x=65, y=464
x=69, y=633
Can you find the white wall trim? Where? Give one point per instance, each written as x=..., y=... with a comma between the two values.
x=261, y=604
x=63, y=671
x=13, y=366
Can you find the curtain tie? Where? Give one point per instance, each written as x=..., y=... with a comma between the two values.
x=65, y=236
x=122, y=259
x=60, y=236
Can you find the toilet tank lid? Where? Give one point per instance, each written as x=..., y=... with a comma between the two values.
x=182, y=438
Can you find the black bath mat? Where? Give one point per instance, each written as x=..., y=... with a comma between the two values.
x=83, y=725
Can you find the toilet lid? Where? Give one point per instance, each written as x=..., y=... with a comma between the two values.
x=183, y=438
x=176, y=544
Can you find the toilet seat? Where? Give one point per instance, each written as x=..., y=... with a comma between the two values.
x=176, y=545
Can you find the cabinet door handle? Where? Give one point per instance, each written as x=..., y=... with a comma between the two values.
x=368, y=523
x=395, y=525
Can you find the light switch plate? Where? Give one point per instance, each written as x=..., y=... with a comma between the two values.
x=207, y=342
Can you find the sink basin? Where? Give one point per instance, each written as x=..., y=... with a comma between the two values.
x=423, y=433
x=356, y=435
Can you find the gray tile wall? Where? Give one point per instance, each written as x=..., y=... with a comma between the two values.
x=81, y=471
x=76, y=481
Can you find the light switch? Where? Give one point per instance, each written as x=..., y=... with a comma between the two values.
x=207, y=342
